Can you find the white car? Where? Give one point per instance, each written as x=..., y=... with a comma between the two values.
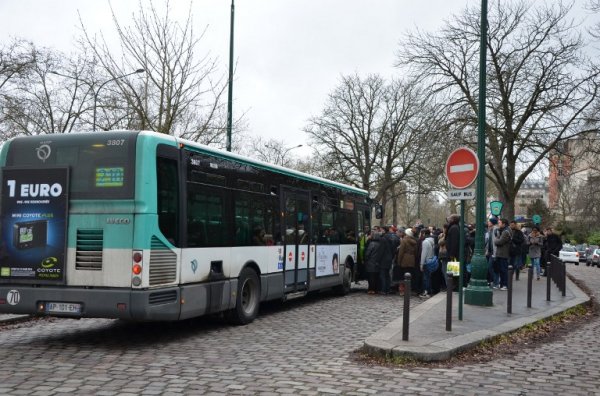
x=569, y=254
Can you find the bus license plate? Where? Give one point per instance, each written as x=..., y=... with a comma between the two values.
x=58, y=307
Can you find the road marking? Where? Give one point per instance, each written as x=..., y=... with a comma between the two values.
x=462, y=168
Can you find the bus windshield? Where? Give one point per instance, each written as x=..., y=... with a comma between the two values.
x=101, y=165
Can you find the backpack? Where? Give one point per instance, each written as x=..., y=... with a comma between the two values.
x=432, y=264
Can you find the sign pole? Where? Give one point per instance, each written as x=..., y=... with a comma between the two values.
x=479, y=292
x=461, y=259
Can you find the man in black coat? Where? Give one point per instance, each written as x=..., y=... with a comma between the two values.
x=389, y=243
x=453, y=237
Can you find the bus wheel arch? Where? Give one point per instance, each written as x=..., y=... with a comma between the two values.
x=346, y=285
x=247, y=297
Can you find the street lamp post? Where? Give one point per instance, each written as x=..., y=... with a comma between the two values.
x=97, y=92
x=283, y=153
x=290, y=149
x=230, y=84
x=479, y=292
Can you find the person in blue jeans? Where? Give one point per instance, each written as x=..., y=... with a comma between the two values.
x=427, y=253
x=535, y=242
x=502, y=241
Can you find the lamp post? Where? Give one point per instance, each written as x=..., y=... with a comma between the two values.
x=290, y=149
x=103, y=84
x=281, y=157
x=230, y=84
x=479, y=292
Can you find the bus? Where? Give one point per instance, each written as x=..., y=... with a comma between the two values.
x=144, y=226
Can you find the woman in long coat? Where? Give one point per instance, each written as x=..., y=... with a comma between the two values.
x=373, y=256
x=406, y=258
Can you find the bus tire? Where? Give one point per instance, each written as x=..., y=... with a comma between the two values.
x=344, y=288
x=247, y=298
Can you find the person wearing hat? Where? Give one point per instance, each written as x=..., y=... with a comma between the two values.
x=406, y=258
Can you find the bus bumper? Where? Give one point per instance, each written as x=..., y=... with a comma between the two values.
x=156, y=304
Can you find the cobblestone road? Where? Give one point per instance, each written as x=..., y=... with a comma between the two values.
x=302, y=347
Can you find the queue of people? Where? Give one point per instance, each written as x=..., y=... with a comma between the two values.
x=424, y=253
x=507, y=244
x=390, y=253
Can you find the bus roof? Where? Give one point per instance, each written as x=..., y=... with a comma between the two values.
x=266, y=165
x=176, y=141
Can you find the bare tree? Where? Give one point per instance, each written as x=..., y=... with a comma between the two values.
x=540, y=83
x=374, y=134
x=594, y=6
x=37, y=102
x=273, y=151
x=181, y=92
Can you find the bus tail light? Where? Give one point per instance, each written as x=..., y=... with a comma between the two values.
x=137, y=268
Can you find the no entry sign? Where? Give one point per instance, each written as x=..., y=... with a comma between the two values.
x=462, y=167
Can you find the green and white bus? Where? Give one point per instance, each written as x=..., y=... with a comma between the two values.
x=146, y=226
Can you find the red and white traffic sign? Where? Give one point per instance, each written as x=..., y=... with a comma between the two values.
x=462, y=167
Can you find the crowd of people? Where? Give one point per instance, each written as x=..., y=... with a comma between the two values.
x=390, y=252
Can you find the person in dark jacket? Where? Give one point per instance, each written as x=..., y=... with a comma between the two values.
x=389, y=244
x=516, y=248
x=552, y=244
x=453, y=237
x=373, y=256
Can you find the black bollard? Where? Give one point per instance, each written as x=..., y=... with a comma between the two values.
x=406, y=313
x=529, y=285
x=548, y=280
x=509, y=293
x=564, y=279
x=449, y=288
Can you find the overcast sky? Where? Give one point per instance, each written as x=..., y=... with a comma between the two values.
x=290, y=53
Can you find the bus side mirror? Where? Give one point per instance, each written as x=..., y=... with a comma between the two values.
x=379, y=212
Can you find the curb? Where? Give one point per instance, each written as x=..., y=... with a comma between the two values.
x=381, y=342
x=8, y=319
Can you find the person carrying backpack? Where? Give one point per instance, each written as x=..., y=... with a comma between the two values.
x=429, y=262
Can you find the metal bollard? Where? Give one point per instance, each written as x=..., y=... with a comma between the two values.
x=406, y=312
x=509, y=292
x=564, y=279
x=449, y=288
x=548, y=280
x=529, y=285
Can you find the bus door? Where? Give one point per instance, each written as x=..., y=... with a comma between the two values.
x=363, y=221
x=296, y=227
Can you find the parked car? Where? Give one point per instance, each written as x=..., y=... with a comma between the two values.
x=569, y=254
x=582, y=250
x=593, y=258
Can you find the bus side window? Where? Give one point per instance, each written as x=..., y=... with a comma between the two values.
x=168, y=198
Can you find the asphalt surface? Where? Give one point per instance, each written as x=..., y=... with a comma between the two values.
x=303, y=347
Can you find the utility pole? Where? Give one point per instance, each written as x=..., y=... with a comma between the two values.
x=230, y=85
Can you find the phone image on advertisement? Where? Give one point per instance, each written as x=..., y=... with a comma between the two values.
x=30, y=234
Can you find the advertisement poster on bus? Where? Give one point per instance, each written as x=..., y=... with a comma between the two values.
x=34, y=224
x=328, y=260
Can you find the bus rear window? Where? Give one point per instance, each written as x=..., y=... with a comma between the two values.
x=102, y=164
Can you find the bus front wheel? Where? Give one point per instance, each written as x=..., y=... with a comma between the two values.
x=247, y=298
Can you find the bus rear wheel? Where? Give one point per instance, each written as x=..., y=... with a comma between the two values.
x=247, y=298
x=346, y=285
